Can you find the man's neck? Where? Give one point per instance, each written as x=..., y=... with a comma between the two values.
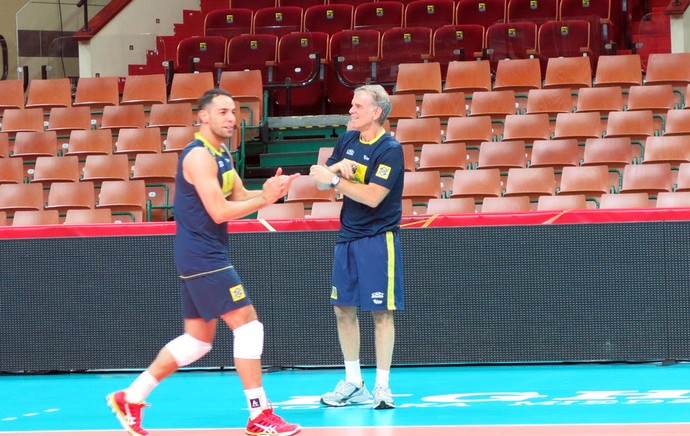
x=370, y=133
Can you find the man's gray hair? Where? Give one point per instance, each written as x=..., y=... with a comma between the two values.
x=380, y=98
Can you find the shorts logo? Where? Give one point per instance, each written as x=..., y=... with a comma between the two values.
x=334, y=293
x=383, y=172
x=237, y=293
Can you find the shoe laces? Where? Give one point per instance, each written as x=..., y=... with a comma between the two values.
x=271, y=418
x=135, y=412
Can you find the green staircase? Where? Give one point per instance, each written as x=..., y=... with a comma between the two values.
x=292, y=143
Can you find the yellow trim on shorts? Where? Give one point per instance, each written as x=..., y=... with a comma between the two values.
x=390, y=248
x=206, y=273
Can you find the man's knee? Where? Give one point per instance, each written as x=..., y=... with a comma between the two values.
x=248, y=340
x=186, y=349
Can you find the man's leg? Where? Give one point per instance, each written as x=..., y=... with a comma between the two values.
x=385, y=341
x=183, y=350
x=248, y=342
x=348, y=332
x=352, y=389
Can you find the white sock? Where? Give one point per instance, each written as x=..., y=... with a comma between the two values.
x=256, y=400
x=140, y=388
x=382, y=377
x=353, y=372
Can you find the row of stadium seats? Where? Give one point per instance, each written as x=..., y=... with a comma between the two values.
x=149, y=196
x=384, y=15
x=249, y=88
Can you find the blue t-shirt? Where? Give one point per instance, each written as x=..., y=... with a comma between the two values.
x=379, y=162
x=201, y=245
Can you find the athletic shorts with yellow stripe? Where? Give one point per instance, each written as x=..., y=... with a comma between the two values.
x=368, y=273
x=212, y=294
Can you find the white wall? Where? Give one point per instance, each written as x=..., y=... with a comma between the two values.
x=126, y=38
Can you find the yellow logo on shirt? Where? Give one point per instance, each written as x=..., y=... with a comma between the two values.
x=383, y=172
x=237, y=293
x=334, y=293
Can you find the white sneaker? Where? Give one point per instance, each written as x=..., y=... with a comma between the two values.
x=346, y=393
x=383, y=399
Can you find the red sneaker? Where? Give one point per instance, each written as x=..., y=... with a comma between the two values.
x=129, y=414
x=270, y=424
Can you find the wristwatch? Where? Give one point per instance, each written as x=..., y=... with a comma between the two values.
x=334, y=181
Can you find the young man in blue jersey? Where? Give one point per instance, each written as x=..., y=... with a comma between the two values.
x=366, y=167
x=208, y=194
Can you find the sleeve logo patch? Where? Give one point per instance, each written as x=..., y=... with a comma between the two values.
x=383, y=172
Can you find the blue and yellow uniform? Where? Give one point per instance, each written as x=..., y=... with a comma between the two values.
x=367, y=269
x=210, y=284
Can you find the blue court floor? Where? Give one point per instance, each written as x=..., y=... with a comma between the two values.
x=500, y=395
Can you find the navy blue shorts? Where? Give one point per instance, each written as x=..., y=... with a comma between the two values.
x=212, y=294
x=368, y=273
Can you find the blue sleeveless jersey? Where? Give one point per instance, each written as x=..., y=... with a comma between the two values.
x=201, y=245
x=381, y=162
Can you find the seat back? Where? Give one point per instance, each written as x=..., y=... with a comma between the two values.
x=144, y=90
x=88, y=216
x=404, y=45
x=380, y=16
x=668, y=68
x=568, y=72
x=477, y=184
x=85, y=142
x=468, y=76
x=541, y=11
x=624, y=70
x=301, y=60
x=65, y=119
x=21, y=196
x=649, y=178
x=51, y=169
x=549, y=101
x=519, y=75
x=418, y=78
x=456, y=42
x=171, y=114
x=532, y=182
x=11, y=94
x=562, y=202
x=350, y=65
x=36, y=218
x=97, y=92
x=71, y=195
x=482, y=12
x=228, y=22
x=329, y=18
x=429, y=13
x=127, y=197
x=30, y=145
x=278, y=20
x=189, y=87
x=511, y=40
x=22, y=120
x=126, y=116
x=282, y=211
x=48, y=93
x=252, y=52
x=447, y=206
x=570, y=38
x=199, y=53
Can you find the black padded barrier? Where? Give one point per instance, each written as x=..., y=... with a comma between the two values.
x=548, y=293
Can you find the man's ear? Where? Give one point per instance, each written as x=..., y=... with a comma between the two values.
x=202, y=115
x=378, y=112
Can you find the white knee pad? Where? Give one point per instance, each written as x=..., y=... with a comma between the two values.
x=248, y=341
x=187, y=349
